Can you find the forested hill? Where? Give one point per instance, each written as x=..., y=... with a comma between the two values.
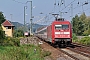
x=18, y=25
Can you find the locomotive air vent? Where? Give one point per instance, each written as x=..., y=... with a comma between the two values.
x=60, y=19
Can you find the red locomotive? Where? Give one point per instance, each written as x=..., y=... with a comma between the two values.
x=58, y=33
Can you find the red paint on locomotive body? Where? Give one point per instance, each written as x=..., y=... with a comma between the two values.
x=59, y=30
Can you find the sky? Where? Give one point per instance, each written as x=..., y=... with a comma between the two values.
x=13, y=10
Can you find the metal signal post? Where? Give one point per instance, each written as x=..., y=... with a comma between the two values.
x=30, y=17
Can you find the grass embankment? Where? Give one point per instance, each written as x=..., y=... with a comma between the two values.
x=12, y=50
x=25, y=52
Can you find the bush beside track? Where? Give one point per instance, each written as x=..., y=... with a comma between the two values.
x=83, y=41
x=9, y=41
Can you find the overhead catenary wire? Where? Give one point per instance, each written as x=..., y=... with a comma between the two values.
x=40, y=20
x=74, y=7
x=18, y=2
x=65, y=6
x=44, y=20
x=79, y=5
x=86, y=2
x=62, y=2
x=79, y=12
x=68, y=5
x=55, y=6
x=84, y=10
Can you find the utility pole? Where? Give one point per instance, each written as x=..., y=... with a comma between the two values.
x=30, y=17
x=31, y=20
x=24, y=17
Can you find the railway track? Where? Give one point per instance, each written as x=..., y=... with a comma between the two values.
x=70, y=55
x=77, y=52
x=84, y=50
x=82, y=47
x=73, y=54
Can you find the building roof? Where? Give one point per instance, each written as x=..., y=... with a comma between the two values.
x=7, y=23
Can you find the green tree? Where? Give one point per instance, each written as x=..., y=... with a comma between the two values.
x=75, y=24
x=87, y=26
x=82, y=17
x=2, y=18
x=18, y=33
x=2, y=34
x=82, y=27
x=80, y=24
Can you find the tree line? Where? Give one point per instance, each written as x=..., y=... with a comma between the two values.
x=81, y=25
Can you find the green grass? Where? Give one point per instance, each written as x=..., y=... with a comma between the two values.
x=25, y=52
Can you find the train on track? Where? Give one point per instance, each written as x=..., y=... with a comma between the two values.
x=58, y=33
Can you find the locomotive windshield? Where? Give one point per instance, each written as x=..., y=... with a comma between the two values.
x=63, y=26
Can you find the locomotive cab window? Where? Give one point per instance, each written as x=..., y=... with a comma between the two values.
x=65, y=26
x=58, y=27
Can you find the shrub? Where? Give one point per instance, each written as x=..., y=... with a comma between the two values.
x=85, y=41
x=18, y=33
x=86, y=32
x=74, y=38
x=8, y=41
